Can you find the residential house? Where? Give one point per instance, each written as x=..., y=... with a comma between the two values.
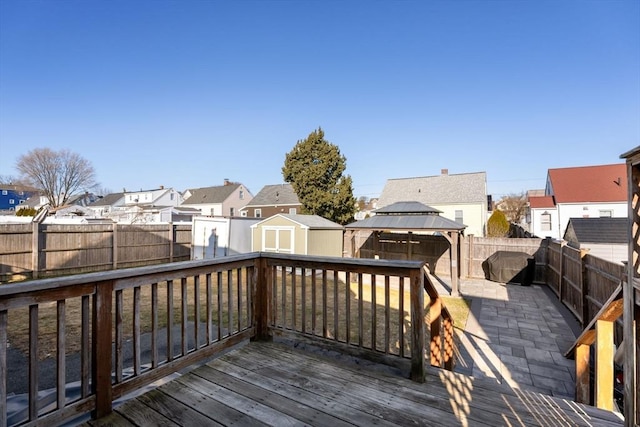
x=13, y=196
x=606, y=238
x=459, y=197
x=578, y=192
x=272, y=200
x=145, y=206
x=104, y=206
x=222, y=200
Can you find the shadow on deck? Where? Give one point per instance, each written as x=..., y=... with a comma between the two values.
x=274, y=383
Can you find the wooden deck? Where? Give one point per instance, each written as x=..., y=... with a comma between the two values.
x=274, y=384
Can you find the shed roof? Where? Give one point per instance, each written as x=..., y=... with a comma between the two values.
x=407, y=216
x=599, y=230
x=434, y=190
x=313, y=222
x=278, y=194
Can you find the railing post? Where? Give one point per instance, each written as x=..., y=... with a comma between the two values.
x=418, y=329
x=604, y=365
x=101, y=348
x=583, y=385
x=261, y=300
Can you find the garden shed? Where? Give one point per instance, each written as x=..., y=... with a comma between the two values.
x=298, y=234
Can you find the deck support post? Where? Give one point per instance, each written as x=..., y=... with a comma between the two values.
x=604, y=365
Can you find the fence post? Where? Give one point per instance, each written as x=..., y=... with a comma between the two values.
x=101, y=349
x=35, y=249
x=172, y=239
x=561, y=272
x=418, y=327
x=115, y=245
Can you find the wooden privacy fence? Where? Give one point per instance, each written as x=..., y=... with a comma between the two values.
x=127, y=328
x=30, y=251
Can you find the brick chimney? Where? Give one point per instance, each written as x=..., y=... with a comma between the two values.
x=444, y=171
x=226, y=181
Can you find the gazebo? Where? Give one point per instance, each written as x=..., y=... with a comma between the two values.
x=415, y=217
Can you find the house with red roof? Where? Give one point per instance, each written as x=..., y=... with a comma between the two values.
x=578, y=192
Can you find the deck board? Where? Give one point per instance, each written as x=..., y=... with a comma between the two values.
x=275, y=384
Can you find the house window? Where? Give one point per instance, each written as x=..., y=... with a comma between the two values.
x=231, y=211
x=545, y=221
x=293, y=210
x=4, y=192
x=12, y=201
x=172, y=196
x=241, y=194
x=212, y=212
x=257, y=213
x=605, y=214
x=22, y=201
x=459, y=217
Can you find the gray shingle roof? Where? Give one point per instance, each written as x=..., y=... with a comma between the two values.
x=108, y=200
x=600, y=230
x=271, y=195
x=407, y=216
x=207, y=195
x=313, y=221
x=437, y=190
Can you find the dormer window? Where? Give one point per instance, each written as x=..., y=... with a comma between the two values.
x=241, y=193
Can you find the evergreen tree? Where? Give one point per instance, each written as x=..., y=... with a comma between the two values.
x=497, y=225
x=314, y=168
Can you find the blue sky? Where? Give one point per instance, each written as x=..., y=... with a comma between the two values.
x=187, y=93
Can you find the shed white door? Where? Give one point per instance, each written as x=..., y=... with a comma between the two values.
x=278, y=239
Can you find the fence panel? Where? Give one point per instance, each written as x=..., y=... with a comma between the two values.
x=571, y=285
x=15, y=251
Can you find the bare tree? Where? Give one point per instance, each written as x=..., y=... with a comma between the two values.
x=514, y=207
x=9, y=180
x=59, y=174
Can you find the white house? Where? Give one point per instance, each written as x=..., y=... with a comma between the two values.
x=222, y=200
x=578, y=192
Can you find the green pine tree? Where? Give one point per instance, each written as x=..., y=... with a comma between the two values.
x=314, y=168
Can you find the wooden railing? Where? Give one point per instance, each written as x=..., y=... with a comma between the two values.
x=113, y=333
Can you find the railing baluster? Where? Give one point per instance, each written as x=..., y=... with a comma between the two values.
x=196, y=311
x=303, y=297
x=313, y=301
x=154, y=325
x=61, y=356
x=387, y=315
x=347, y=297
x=209, y=308
x=230, y=301
x=360, y=311
x=325, y=331
x=401, y=315
x=283, y=321
x=219, y=302
x=3, y=366
x=335, y=306
x=169, y=320
x=374, y=312
x=293, y=299
x=119, y=342
x=85, y=348
x=33, y=362
x=184, y=339
x=239, y=302
x=136, y=330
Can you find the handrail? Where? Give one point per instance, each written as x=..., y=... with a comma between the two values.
x=171, y=316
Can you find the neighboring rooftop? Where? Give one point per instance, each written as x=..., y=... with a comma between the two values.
x=598, y=230
x=272, y=195
x=603, y=183
x=437, y=190
x=207, y=195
